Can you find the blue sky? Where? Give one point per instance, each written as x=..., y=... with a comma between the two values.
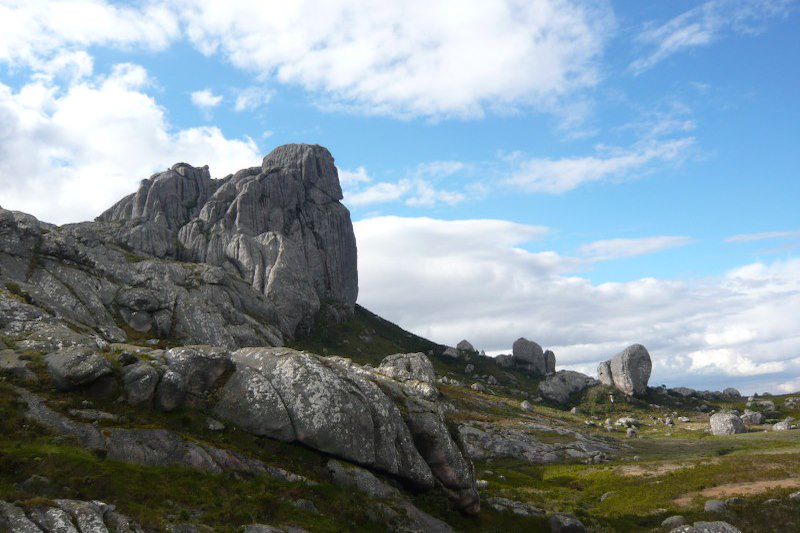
x=586, y=174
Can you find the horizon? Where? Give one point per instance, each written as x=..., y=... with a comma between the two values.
x=588, y=176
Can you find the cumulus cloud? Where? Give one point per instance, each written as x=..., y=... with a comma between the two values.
x=101, y=134
x=478, y=279
x=360, y=190
x=412, y=58
x=206, y=99
x=557, y=176
x=32, y=31
x=704, y=24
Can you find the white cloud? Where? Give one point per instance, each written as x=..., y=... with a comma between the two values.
x=412, y=58
x=101, y=134
x=609, y=249
x=252, y=98
x=765, y=236
x=704, y=24
x=32, y=31
x=206, y=99
x=453, y=279
x=361, y=190
x=557, y=176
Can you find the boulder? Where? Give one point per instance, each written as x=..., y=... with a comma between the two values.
x=707, y=527
x=752, y=418
x=563, y=523
x=784, y=425
x=549, y=361
x=466, y=347
x=672, y=522
x=139, y=381
x=201, y=368
x=629, y=370
x=504, y=360
x=726, y=424
x=560, y=386
x=171, y=391
x=414, y=370
x=530, y=356
x=76, y=366
x=732, y=393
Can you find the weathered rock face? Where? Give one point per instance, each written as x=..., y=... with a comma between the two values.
x=726, y=424
x=66, y=516
x=280, y=227
x=560, y=386
x=247, y=260
x=485, y=440
x=628, y=371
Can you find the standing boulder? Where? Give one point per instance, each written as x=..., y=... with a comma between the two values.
x=628, y=371
x=466, y=347
x=726, y=424
x=530, y=356
x=560, y=386
x=549, y=361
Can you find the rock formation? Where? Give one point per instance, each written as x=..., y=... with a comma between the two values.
x=246, y=260
x=529, y=356
x=628, y=371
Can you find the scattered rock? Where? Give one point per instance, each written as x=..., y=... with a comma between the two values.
x=707, y=527
x=784, y=425
x=673, y=522
x=605, y=496
x=526, y=406
x=726, y=424
x=562, y=523
x=515, y=507
x=214, y=425
x=76, y=366
x=631, y=433
x=752, y=418
x=715, y=506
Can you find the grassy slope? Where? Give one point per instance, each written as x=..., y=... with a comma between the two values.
x=638, y=502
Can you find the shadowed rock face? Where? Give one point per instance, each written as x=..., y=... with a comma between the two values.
x=280, y=227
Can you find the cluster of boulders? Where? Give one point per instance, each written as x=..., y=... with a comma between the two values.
x=530, y=357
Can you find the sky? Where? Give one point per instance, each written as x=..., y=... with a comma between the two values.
x=586, y=174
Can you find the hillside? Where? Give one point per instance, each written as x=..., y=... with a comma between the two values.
x=194, y=360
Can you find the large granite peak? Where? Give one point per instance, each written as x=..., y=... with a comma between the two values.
x=280, y=227
x=247, y=260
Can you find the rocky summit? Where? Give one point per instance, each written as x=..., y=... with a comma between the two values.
x=249, y=259
x=195, y=360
